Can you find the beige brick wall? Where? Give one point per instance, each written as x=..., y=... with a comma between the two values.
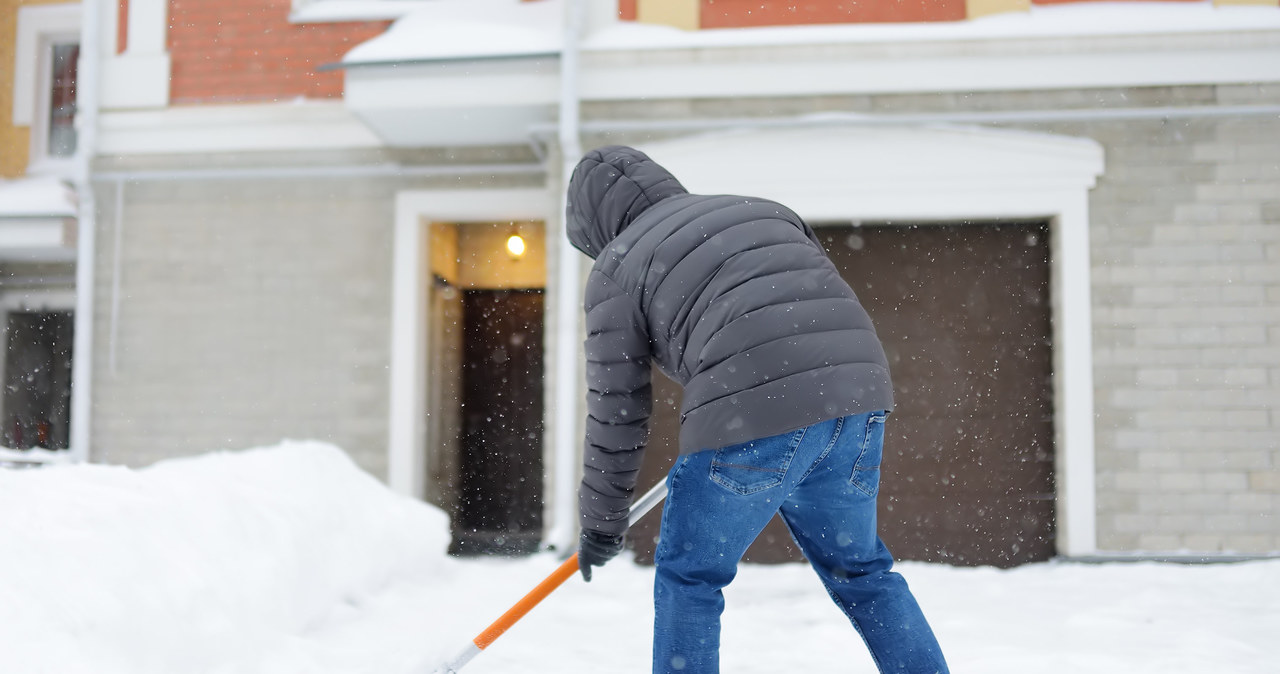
x=249, y=312
x=1186, y=250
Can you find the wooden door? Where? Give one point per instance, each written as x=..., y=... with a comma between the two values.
x=500, y=471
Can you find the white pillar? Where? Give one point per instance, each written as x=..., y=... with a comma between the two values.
x=139, y=78
x=406, y=470
x=1073, y=372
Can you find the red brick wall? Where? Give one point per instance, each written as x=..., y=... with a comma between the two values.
x=740, y=13
x=627, y=10
x=122, y=26
x=246, y=50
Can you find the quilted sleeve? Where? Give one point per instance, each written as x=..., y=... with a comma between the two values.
x=619, y=403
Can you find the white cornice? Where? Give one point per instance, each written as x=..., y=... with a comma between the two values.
x=302, y=125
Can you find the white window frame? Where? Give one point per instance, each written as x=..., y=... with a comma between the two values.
x=415, y=211
x=40, y=27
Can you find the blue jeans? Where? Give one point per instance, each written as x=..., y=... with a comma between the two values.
x=824, y=480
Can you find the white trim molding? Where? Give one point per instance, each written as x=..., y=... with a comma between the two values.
x=942, y=173
x=414, y=213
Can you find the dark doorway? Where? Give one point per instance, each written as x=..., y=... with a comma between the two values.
x=963, y=312
x=37, y=380
x=500, y=470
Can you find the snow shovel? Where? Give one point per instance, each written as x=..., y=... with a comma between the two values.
x=546, y=587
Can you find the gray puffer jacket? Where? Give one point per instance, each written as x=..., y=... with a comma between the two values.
x=732, y=297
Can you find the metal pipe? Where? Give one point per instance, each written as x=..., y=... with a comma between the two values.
x=87, y=77
x=568, y=279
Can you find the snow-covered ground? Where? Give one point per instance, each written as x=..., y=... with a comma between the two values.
x=290, y=559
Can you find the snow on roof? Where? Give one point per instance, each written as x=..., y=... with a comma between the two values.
x=449, y=29
x=474, y=29
x=42, y=197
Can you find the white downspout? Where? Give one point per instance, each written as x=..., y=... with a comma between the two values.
x=568, y=279
x=87, y=76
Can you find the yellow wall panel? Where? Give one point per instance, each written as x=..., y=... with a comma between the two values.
x=483, y=261
x=977, y=8
x=683, y=14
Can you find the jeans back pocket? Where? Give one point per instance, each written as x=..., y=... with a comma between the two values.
x=866, y=470
x=755, y=465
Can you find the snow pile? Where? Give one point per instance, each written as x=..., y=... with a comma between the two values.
x=290, y=560
x=36, y=197
x=204, y=564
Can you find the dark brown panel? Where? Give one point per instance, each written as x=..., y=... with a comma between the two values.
x=963, y=311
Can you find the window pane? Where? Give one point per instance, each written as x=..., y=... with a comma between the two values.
x=62, y=106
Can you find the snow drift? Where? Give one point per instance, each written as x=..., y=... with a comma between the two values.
x=196, y=564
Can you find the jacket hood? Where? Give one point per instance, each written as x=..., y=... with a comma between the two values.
x=610, y=188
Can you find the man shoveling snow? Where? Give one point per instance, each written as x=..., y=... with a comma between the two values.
x=786, y=392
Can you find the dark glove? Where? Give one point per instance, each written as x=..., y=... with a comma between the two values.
x=595, y=549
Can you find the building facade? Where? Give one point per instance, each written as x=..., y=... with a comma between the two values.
x=38, y=227
x=1063, y=218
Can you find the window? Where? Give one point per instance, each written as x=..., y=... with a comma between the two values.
x=44, y=85
x=62, y=100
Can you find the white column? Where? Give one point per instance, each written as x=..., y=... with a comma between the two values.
x=138, y=78
x=406, y=469
x=1073, y=373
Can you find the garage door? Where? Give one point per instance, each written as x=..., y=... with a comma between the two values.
x=963, y=311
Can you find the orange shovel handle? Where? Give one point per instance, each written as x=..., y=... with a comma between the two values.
x=557, y=578
x=526, y=604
